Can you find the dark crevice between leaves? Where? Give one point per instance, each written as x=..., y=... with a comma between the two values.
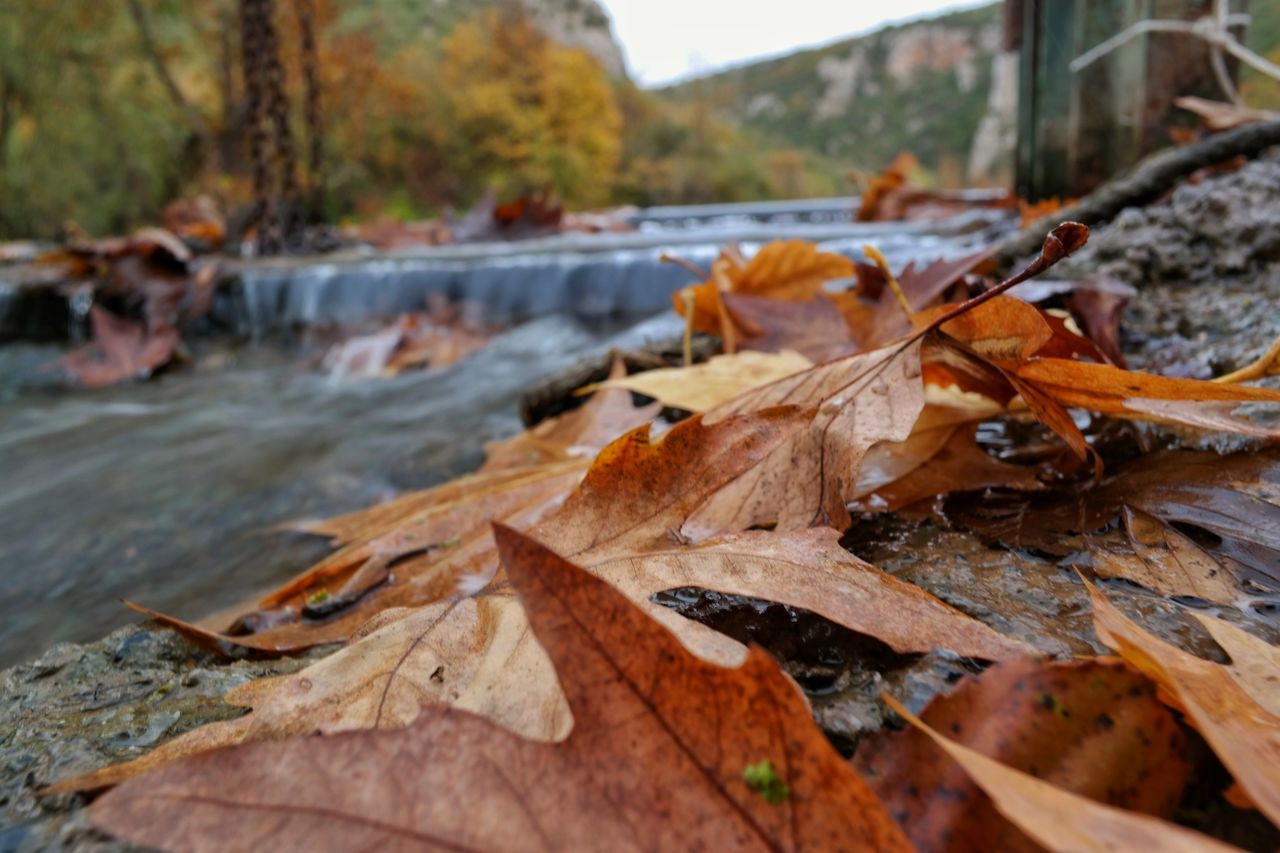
x=841, y=671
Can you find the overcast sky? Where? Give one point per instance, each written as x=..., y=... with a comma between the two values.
x=668, y=39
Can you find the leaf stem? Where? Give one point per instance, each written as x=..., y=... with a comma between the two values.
x=883, y=263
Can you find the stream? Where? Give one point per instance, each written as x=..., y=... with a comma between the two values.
x=171, y=492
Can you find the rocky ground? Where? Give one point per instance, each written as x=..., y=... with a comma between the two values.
x=1206, y=261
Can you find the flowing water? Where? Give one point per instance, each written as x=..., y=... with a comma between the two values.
x=169, y=492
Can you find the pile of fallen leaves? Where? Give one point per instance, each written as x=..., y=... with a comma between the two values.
x=141, y=291
x=506, y=680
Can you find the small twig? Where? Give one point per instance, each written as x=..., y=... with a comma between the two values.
x=1264, y=365
x=690, y=300
x=1062, y=241
x=883, y=263
x=681, y=262
x=728, y=336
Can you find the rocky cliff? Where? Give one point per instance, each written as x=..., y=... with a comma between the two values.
x=922, y=86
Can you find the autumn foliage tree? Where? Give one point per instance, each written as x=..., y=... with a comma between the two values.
x=519, y=112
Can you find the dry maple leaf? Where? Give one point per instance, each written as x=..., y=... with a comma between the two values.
x=1092, y=728
x=1058, y=819
x=702, y=387
x=661, y=740
x=792, y=270
x=1244, y=734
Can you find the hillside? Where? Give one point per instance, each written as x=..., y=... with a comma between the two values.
x=921, y=86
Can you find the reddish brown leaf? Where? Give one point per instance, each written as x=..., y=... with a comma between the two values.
x=1093, y=728
x=1100, y=305
x=814, y=328
x=1061, y=821
x=120, y=350
x=1244, y=734
x=1165, y=560
x=1235, y=499
x=960, y=465
x=634, y=692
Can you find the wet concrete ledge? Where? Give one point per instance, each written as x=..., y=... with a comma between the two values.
x=589, y=276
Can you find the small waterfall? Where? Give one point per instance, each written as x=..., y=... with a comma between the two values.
x=591, y=277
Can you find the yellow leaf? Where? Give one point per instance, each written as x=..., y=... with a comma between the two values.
x=702, y=387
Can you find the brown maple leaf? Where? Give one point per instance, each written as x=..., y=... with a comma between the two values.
x=1092, y=727
x=666, y=751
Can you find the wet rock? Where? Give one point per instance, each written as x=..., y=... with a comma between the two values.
x=78, y=708
x=1206, y=261
x=1225, y=226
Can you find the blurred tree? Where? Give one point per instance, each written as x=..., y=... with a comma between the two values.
x=522, y=113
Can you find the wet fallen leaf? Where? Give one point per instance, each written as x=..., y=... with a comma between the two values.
x=1165, y=560
x=1090, y=728
x=1234, y=500
x=816, y=329
x=436, y=338
x=633, y=690
x=1060, y=820
x=792, y=270
x=1244, y=734
x=958, y=465
x=1185, y=402
x=1254, y=663
x=120, y=350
